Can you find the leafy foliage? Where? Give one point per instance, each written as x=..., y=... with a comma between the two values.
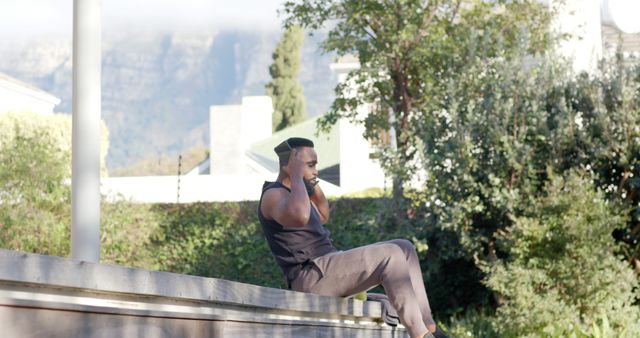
x=127, y=231
x=506, y=125
x=611, y=105
x=504, y=130
x=472, y=323
x=35, y=196
x=563, y=270
x=284, y=88
x=225, y=240
x=55, y=128
x=221, y=240
x=34, y=207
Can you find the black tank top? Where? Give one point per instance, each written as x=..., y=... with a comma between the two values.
x=294, y=247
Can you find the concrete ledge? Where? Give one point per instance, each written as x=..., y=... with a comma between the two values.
x=59, y=289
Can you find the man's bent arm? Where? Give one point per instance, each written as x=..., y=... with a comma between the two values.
x=321, y=203
x=297, y=205
x=291, y=208
x=283, y=207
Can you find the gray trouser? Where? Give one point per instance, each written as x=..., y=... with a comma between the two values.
x=393, y=264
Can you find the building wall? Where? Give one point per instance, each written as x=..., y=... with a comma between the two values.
x=612, y=38
x=233, y=129
x=197, y=188
x=582, y=20
x=257, y=120
x=622, y=14
x=224, y=124
x=357, y=170
x=597, y=28
x=183, y=189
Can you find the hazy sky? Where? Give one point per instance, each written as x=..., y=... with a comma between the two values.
x=26, y=18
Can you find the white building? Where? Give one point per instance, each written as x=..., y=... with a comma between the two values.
x=17, y=96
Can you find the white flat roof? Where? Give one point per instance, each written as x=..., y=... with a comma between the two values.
x=24, y=88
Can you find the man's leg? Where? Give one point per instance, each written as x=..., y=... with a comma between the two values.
x=346, y=273
x=416, y=279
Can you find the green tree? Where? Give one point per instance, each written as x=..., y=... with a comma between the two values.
x=409, y=51
x=284, y=88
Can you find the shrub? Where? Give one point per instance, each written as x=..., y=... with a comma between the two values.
x=221, y=240
x=55, y=128
x=127, y=231
x=472, y=323
x=563, y=273
x=225, y=240
x=35, y=197
x=34, y=202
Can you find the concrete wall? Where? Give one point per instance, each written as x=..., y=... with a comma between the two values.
x=44, y=296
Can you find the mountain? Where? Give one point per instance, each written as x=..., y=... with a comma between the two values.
x=157, y=88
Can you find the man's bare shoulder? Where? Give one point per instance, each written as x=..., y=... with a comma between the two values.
x=270, y=200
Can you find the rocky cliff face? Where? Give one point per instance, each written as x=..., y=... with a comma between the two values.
x=157, y=88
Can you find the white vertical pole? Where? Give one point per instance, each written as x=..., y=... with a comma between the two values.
x=85, y=152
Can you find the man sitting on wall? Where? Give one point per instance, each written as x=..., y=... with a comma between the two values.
x=293, y=211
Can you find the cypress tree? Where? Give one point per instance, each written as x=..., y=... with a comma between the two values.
x=284, y=88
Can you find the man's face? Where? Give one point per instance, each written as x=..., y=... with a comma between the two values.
x=310, y=158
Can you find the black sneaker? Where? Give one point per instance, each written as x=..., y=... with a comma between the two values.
x=437, y=334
